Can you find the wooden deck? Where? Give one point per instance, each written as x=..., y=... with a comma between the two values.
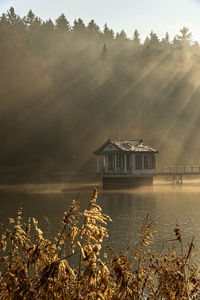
x=177, y=170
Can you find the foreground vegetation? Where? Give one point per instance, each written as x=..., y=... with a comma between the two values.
x=73, y=266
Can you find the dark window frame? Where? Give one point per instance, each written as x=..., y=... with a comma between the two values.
x=138, y=162
x=128, y=162
x=149, y=161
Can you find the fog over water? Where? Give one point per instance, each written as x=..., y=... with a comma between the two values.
x=165, y=203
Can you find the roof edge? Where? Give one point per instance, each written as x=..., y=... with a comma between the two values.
x=99, y=150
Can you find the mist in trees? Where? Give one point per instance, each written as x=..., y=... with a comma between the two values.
x=65, y=88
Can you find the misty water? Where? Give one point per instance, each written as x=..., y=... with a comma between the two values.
x=165, y=203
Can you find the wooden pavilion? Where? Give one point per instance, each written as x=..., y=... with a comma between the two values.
x=125, y=163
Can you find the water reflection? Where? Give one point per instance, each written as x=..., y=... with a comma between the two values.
x=165, y=205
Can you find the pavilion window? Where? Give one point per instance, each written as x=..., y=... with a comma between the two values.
x=128, y=162
x=149, y=162
x=138, y=162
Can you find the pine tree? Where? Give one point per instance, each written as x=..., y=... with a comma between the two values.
x=93, y=29
x=29, y=19
x=62, y=24
x=108, y=33
x=4, y=20
x=36, y=25
x=136, y=37
x=165, y=42
x=79, y=26
x=154, y=40
x=121, y=36
x=176, y=42
x=48, y=25
x=13, y=19
x=35, y=29
x=166, y=39
x=185, y=38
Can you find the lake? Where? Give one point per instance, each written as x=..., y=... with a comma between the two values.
x=165, y=203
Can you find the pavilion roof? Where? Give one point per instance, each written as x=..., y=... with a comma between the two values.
x=126, y=146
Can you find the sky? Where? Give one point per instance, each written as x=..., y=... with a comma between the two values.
x=144, y=15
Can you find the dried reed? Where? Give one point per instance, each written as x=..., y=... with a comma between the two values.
x=39, y=268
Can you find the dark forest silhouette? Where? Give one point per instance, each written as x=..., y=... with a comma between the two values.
x=66, y=88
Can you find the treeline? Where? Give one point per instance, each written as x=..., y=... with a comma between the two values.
x=65, y=88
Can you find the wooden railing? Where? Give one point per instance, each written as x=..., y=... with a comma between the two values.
x=165, y=170
x=188, y=170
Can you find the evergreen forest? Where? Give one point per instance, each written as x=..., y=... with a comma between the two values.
x=65, y=88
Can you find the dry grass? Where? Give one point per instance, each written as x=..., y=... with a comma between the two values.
x=39, y=268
